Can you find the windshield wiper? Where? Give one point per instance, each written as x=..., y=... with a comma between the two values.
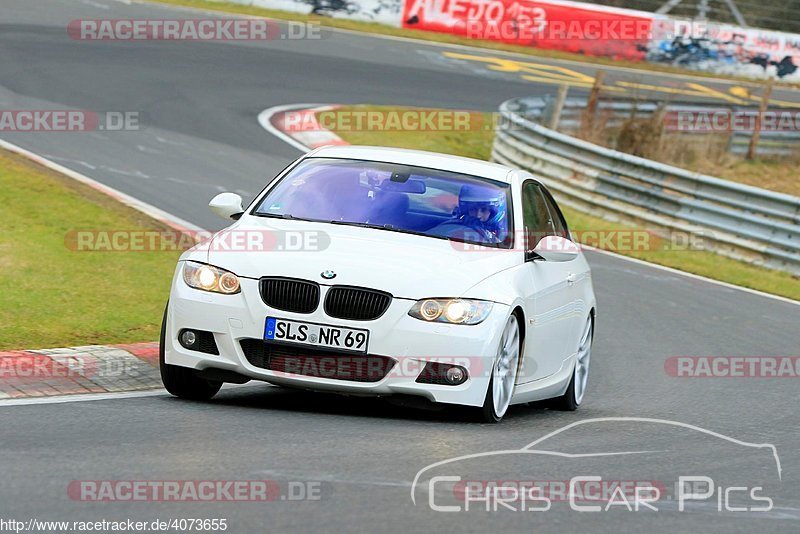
x=388, y=227
x=364, y=225
x=286, y=216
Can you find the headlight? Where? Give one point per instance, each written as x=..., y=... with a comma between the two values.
x=210, y=278
x=451, y=311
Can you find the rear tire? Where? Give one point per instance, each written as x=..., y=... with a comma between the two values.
x=566, y=402
x=572, y=399
x=182, y=381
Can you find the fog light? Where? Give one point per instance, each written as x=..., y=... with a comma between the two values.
x=455, y=375
x=188, y=339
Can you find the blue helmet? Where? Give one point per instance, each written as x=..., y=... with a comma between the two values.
x=473, y=196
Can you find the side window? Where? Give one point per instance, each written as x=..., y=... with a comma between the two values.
x=535, y=215
x=559, y=224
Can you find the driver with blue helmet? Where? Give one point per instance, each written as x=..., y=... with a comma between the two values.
x=481, y=210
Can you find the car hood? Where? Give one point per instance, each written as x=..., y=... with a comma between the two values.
x=407, y=266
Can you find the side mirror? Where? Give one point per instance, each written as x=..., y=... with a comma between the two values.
x=554, y=248
x=227, y=205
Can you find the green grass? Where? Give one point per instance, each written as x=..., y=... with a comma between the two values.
x=478, y=144
x=774, y=173
x=697, y=261
x=382, y=29
x=703, y=153
x=52, y=296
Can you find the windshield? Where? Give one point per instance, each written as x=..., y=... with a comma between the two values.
x=394, y=197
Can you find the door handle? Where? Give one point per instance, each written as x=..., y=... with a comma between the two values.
x=571, y=278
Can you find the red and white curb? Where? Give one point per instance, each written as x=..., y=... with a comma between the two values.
x=297, y=125
x=79, y=370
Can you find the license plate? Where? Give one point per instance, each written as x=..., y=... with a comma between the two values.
x=315, y=335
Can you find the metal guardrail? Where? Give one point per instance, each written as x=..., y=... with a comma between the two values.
x=735, y=220
x=615, y=112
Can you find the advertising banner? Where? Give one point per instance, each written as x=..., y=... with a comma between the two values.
x=569, y=26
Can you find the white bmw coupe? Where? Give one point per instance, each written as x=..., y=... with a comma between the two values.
x=379, y=271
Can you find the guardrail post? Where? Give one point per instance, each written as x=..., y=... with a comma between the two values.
x=587, y=124
x=753, y=147
x=558, y=105
x=658, y=120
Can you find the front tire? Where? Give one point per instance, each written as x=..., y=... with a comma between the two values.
x=573, y=397
x=182, y=381
x=504, y=374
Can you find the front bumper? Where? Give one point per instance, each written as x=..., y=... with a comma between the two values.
x=410, y=342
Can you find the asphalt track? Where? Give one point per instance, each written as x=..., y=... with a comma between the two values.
x=199, y=135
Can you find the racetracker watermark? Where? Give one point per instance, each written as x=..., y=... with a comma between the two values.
x=229, y=240
x=469, y=240
x=726, y=121
x=194, y=490
x=538, y=28
x=370, y=368
x=530, y=23
x=31, y=365
x=191, y=30
x=413, y=120
x=733, y=366
x=60, y=120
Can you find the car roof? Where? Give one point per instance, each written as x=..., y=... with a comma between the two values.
x=420, y=158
